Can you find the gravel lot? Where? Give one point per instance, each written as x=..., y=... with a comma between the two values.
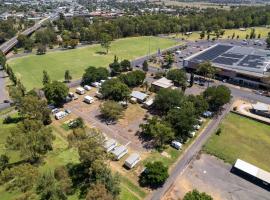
x=211, y=175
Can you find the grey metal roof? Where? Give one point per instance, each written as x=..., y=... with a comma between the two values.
x=248, y=60
x=118, y=150
x=139, y=95
x=132, y=158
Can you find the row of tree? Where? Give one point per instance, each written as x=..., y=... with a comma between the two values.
x=180, y=113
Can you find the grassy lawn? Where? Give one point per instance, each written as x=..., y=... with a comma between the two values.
x=241, y=138
x=228, y=33
x=29, y=69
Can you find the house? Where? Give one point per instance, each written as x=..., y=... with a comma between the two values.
x=87, y=87
x=119, y=152
x=88, y=99
x=162, y=83
x=80, y=90
x=141, y=97
x=176, y=144
x=132, y=160
x=60, y=115
x=110, y=145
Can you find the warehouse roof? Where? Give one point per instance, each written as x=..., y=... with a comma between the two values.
x=252, y=170
x=247, y=60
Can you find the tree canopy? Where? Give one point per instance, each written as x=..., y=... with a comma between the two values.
x=167, y=99
x=93, y=74
x=196, y=195
x=217, y=96
x=133, y=79
x=111, y=110
x=115, y=90
x=56, y=92
x=178, y=76
x=154, y=175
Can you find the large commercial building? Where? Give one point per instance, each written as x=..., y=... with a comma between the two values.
x=240, y=64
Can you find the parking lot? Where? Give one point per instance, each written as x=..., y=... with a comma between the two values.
x=211, y=175
x=124, y=131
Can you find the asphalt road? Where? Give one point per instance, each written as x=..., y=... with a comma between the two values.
x=190, y=154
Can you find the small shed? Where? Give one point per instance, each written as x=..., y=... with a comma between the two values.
x=192, y=134
x=80, y=90
x=87, y=87
x=132, y=160
x=110, y=145
x=119, y=152
x=176, y=144
x=141, y=97
x=162, y=83
x=88, y=99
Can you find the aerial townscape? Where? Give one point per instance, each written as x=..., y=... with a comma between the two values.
x=134, y=100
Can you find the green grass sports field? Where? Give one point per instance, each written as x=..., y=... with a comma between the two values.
x=29, y=69
x=241, y=138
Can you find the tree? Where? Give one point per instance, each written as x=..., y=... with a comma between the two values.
x=179, y=77
x=105, y=41
x=191, y=80
x=12, y=75
x=4, y=160
x=68, y=77
x=217, y=96
x=48, y=189
x=61, y=174
x=21, y=87
x=111, y=110
x=56, y=92
x=3, y=60
x=115, y=90
x=268, y=40
x=98, y=192
x=31, y=107
x=46, y=78
x=91, y=149
x=196, y=195
x=154, y=175
x=31, y=138
x=125, y=65
x=159, y=131
x=182, y=120
x=133, y=79
x=167, y=99
x=93, y=74
x=202, y=34
x=145, y=66
x=115, y=66
x=200, y=104
x=169, y=59
x=207, y=70
x=22, y=177
x=41, y=49
x=73, y=43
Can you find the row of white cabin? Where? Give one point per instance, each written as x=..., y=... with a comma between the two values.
x=119, y=151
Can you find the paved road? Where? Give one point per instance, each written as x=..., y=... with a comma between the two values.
x=189, y=154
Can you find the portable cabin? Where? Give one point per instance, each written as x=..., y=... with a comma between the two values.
x=132, y=160
x=119, y=152
x=88, y=99
x=110, y=145
x=80, y=91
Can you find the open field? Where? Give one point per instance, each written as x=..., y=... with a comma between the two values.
x=29, y=69
x=241, y=138
x=228, y=34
